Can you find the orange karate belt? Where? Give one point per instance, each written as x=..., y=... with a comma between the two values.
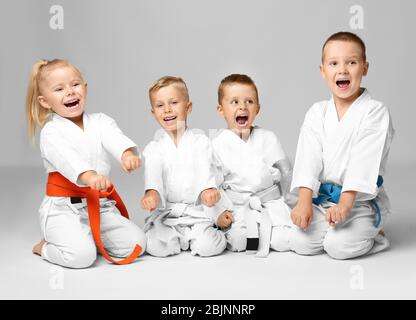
x=59, y=186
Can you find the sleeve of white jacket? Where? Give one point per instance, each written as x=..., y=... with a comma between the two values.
x=367, y=151
x=113, y=139
x=153, y=171
x=204, y=170
x=276, y=158
x=62, y=154
x=308, y=163
x=224, y=204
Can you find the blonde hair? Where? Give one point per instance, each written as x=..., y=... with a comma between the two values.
x=35, y=113
x=167, y=81
x=235, y=78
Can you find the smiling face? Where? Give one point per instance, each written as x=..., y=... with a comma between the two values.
x=170, y=107
x=343, y=66
x=239, y=106
x=64, y=92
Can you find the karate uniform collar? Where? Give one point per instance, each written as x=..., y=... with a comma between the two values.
x=57, y=118
x=230, y=133
x=362, y=97
x=166, y=138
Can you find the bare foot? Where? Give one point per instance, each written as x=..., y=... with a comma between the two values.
x=37, y=248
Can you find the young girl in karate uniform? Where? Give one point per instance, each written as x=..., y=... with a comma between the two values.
x=74, y=148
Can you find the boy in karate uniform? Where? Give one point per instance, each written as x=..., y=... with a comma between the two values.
x=341, y=160
x=179, y=179
x=255, y=173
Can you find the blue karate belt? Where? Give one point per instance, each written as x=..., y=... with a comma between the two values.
x=331, y=192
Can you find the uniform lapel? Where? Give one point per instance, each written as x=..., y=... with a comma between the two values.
x=339, y=133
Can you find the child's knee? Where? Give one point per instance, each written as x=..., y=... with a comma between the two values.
x=127, y=239
x=335, y=247
x=236, y=239
x=341, y=245
x=80, y=257
x=158, y=248
x=209, y=244
x=304, y=242
x=279, y=240
x=138, y=237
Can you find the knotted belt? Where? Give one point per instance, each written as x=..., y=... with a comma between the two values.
x=258, y=237
x=331, y=192
x=59, y=186
x=173, y=214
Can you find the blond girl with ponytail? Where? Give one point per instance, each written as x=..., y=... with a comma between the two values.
x=79, y=207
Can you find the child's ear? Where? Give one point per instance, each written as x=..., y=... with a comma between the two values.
x=189, y=107
x=366, y=66
x=321, y=71
x=258, y=109
x=151, y=110
x=43, y=103
x=220, y=110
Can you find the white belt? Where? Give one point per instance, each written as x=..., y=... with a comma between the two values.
x=172, y=215
x=258, y=238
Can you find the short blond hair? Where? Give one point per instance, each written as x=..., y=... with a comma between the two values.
x=35, y=113
x=167, y=81
x=236, y=78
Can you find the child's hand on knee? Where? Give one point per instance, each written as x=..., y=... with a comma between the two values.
x=302, y=216
x=337, y=213
x=150, y=201
x=130, y=161
x=225, y=220
x=210, y=197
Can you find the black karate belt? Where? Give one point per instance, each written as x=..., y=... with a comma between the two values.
x=76, y=200
x=252, y=244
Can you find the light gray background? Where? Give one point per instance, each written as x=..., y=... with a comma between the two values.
x=121, y=47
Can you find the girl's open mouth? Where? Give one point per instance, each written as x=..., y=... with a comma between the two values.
x=72, y=103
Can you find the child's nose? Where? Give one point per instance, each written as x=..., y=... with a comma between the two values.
x=343, y=69
x=69, y=90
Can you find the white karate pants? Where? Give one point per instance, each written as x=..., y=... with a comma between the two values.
x=202, y=238
x=352, y=238
x=69, y=241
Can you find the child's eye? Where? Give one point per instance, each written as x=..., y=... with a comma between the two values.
x=76, y=84
x=353, y=62
x=250, y=101
x=333, y=63
x=234, y=102
x=58, y=89
x=174, y=102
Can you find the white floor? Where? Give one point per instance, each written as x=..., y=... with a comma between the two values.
x=388, y=275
